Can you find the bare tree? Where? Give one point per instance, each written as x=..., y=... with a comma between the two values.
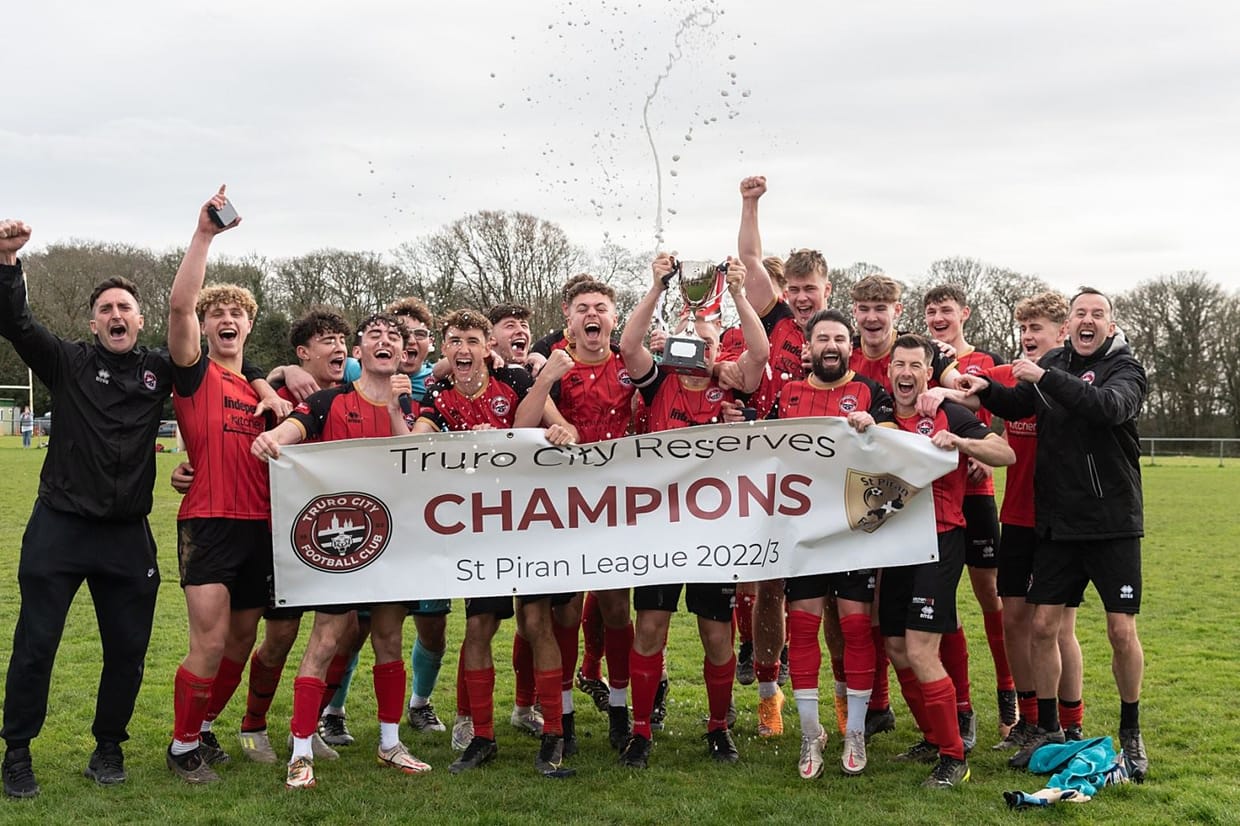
x=1174, y=327
x=491, y=257
x=359, y=283
x=992, y=293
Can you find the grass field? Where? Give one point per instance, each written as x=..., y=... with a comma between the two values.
x=1189, y=715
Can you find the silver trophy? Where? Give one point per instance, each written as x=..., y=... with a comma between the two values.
x=702, y=284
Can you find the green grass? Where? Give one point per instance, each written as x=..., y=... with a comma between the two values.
x=1189, y=712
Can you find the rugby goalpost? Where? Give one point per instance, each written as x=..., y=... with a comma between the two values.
x=28, y=386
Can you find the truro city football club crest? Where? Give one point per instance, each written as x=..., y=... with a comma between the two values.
x=341, y=532
x=871, y=498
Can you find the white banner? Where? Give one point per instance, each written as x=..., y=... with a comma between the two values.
x=501, y=512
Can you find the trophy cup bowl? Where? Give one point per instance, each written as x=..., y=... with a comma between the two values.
x=701, y=284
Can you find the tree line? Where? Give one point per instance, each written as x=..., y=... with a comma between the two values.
x=1179, y=324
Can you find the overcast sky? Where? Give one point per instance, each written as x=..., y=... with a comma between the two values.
x=1083, y=142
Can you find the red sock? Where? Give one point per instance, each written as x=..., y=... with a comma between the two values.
x=566, y=637
x=998, y=651
x=592, y=637
x=880, y=698
x=264, y=680
x=1071, y=715
x=954, y=652
x=645, y=671
x=552, y=704
x=618, y=642
x=911, y=689
x=769, y=672
x=462, y=690
x=481, y=686
x=940, y=699
x=858, y=652
x=804, y=655
x=335, y=673
x=1027, y=701
x=523, y=670
x=390, y=681
x=743, y=616
x=307, y=694
x=227, y=678
x=718, y=680
x=190, y=695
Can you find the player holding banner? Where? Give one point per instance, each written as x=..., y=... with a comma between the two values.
x=832, y=389
x=917, y=603
x=585, y=388
x=369, y=407
x=675, y=401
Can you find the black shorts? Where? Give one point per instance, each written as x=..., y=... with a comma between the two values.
x=712, y=601
x=857, y=586
x=981, y=531
x=1061, y=570
x=556, y=599
x=1017, y=544
x=923, y=597
x=231, y=552
x=501, y=607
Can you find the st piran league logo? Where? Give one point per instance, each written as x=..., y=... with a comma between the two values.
x=342, y=532
x=870, y=499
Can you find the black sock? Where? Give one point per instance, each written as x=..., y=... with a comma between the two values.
x=1130, y=715
x=1048, y=714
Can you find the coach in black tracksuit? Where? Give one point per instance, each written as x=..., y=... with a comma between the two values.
x=1088, y=504
x=90, y=519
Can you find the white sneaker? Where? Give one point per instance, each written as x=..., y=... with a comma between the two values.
x=300, y=774
x=811, y=763
x=527, y=719
x=398, y=757
x=853, y=759
x=256, y=745
x=462, y=732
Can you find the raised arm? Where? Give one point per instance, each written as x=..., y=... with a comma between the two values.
x=184, y=332
x=752, y=362
x=637, y=359
x=34, y=343
x=758, y=286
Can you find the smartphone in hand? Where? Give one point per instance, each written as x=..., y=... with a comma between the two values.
x=223, y=216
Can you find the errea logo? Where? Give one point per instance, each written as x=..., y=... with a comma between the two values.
x=927, y=612
x=1126, y=592
x=103, y=376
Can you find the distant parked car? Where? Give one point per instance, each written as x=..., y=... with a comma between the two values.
x=167, y=429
